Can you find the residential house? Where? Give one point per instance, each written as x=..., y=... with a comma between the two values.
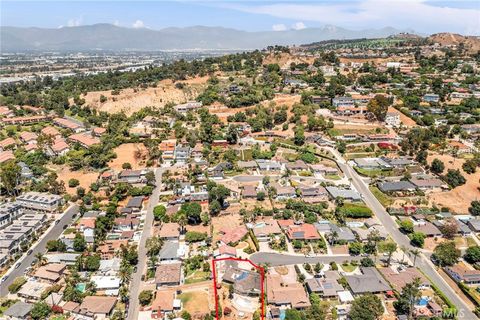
x=51, y=272
x=40, y=201
x=95, y=307
x=168, y=275
x=327, y=286
x=245, y=282
x=428, y=183
x=264, y=229
x=75, y=126
x=461, y=274
x=305, y=232
x=135, y=203
x=232, y=236
x=134, y=177
x=28, y=137
x=291, y=295
x=391, y=187
x=86, y=140
x=165, y=304
x=399, y=277
x=18, y=311
x=170, y=231
x=106, y=285
x=370, y=281
x=347, y=194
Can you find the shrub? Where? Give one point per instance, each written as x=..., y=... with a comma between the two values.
x=145, y=297
x=194, y=236
x=72, y=183
x=16, y=284
x=351, y=210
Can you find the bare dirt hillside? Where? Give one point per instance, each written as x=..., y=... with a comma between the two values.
x=131, y=100
x=285, y=59
x=471, y=43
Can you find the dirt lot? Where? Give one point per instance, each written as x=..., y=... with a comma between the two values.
x=85, y=178
x=128, y=152
x=408, y=122
x=458, y=199
x=230, y=221
x=132, y=100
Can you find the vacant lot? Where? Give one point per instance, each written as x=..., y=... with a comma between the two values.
x=86, y=178
x=458, y=199
x=196, y=303
x=230, y=221
x=133, y=153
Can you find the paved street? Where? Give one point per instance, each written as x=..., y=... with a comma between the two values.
x=279, y=259
x=133, y=309
x=423, y=262
x=52, y=234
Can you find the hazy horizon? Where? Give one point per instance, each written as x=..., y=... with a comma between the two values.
x=420, y=16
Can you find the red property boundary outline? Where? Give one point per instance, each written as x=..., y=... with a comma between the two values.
x=262, y=280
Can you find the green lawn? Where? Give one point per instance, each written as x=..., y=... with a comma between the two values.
x=348, y=267
x=385, y=200
x=332, y=177
x=373, y=173
x=197, y=276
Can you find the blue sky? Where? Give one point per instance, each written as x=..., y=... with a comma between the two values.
x=420, y=15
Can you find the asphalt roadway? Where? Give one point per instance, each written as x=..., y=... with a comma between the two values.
x=274, y=259
x=134, y=306
x=27, y=260
x=423, y=262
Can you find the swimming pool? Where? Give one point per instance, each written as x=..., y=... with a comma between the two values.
x=81, y=287
x=422, y=302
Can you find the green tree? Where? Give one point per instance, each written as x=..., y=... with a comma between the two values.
x=145, y=297
x=378, y=106
x=437, y=166
x=299, y=135
x=406, y=226
x=40, y=311
x=409, y=295
x=159, y=212
x=79, y=243
x=446, y=253
x=10, y=176
x=390, y=248
x=366, y=307
x=192, y=211
x=454, y=178
x=417, y=239
x=72, y=183
x=472, y=255
x=474, y=208
x=355, y=248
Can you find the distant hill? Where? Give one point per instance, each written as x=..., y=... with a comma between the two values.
x=110, y=37
x=471, y=43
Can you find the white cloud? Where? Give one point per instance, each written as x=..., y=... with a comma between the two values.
x=279, y=27
x=298, y=26
x=363, y=14
x=75, y=22
x=138, y=24
x=116, y=23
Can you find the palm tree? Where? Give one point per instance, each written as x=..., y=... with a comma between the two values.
x=333, y=237
x=182, y=221
x=41, y=260
x=415, y=252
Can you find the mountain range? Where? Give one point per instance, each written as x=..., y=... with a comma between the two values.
x=110, y=37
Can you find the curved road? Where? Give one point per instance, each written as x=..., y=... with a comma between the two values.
x=26, y=260
x=423, y=262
